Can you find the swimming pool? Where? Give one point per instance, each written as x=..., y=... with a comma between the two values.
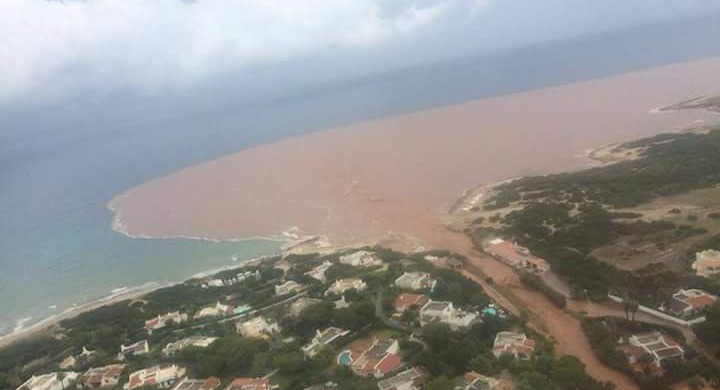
x=345, y=358
x=489, y=311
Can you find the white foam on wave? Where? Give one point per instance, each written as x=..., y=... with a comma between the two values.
x=20, y=324
x=26, y=324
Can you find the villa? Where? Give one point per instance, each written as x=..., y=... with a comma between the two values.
x=415, y=281
x=72, y=361
x=162, y=321
x=240, y=277
x=211, y=383
x=516, y=255
x=517, y=345
x=160, y=376
x=50, y=381
x=474, y=381
x=251, y=384
x=288, y=287
x=192, y=341
x=654, y=344
x=301, y=304
x=446, y=313
x=258, y=327
x=707, y=263
x=342, y=285
x=410, y=379
x=318, y=273
x=139, y=348
x=688, y=303
x=380, y=359
x=406, y=301
x=219, y=310
x=322, y=340
x=360, y=259
x=101, y=376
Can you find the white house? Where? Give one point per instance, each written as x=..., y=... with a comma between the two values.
x=689, y=303
x=139, y=348
x=322, y=340
x=102, y=376
x=160, y=376
x=415, y=281
x=707, y=263
x=211, y=383
x=288, y=287
x=192, y=341
x=342, y=285
x=379, y=360
x=71, y=361
x=162, y=321
x=360, y=259
x=219, y=310
x=658, y=346
x=410, y=379
x=258, y=327
x=240, y=277
x=50, y=381
x=518, y=345
x=318, y=272
x=251, y=384
x=446, y=313
x=474, y=381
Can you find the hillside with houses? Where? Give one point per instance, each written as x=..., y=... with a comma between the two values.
x=355, y=319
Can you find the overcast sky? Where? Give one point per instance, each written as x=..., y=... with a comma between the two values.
x=58, y=49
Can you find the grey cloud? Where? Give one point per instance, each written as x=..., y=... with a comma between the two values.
x=53, y=50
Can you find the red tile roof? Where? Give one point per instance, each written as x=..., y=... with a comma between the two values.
x=389, y=363
x=702, y=301
x=249, y=384
x=211, y=383
x=405, y=301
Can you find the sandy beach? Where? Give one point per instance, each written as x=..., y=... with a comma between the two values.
x=46, y=324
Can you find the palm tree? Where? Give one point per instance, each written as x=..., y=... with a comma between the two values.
x=626, y=307
x=630, y=307
x=634, y=307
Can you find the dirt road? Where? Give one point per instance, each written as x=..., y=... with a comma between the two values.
x=560, y=325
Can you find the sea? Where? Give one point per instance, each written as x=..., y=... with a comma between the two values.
x=60, y=168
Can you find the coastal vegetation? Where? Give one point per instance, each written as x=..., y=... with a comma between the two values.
x=587, y=223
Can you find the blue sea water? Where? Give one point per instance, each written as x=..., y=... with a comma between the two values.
x=59, y=168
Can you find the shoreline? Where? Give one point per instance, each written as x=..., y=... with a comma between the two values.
x=370, y=178
x=119, y=227
x=127, y=293
x=46, y=323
